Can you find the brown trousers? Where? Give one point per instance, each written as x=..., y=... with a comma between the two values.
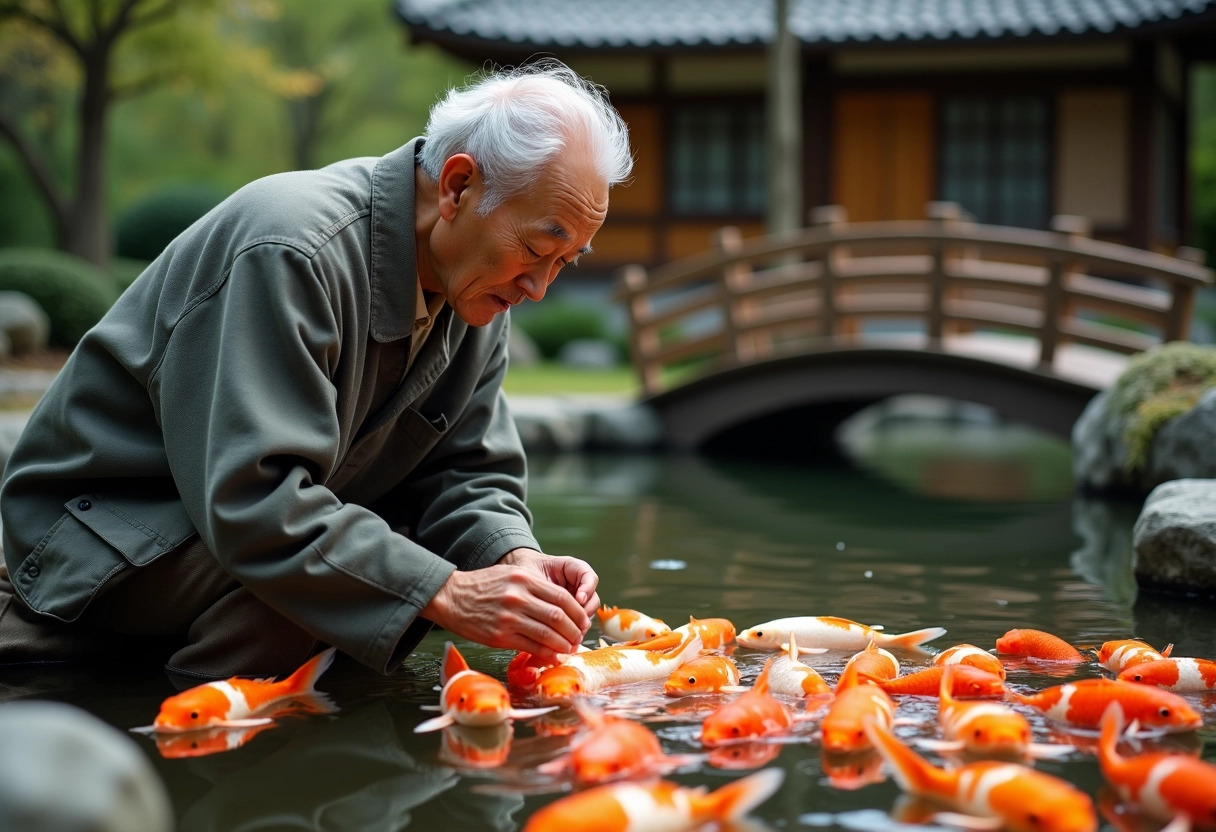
x=182, y=610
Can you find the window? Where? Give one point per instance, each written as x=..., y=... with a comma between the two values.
x=995, y=158
x=716, y=166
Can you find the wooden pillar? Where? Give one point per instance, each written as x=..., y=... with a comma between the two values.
x=643, y=338
x=784, y=125
x=833, y=218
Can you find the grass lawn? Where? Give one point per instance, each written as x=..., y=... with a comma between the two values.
x=551, y=379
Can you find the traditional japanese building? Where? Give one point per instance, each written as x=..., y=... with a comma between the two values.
x=1016, y=109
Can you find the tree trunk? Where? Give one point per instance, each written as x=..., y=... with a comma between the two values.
x=87, y=231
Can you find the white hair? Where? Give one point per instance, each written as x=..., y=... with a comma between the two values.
x=514, y=121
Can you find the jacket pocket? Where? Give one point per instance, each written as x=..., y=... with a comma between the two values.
x=93, y=540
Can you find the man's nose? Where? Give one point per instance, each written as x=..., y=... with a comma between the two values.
x=532, y=285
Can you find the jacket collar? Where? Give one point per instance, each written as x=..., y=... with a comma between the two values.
x=394, y=259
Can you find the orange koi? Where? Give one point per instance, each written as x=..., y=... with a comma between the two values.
x=620, y=624
x=1164, y=786
x=826, y=632
x=968, y=681
x=236, y=702
x=1036, y=644
x=985, y=728
x=874, y=663
x=705, y=674
x=842, y=729
x=525, y=669
x=790, y=677
x=476, y=746
x=754, y=714
x=659, y=806
x=715, y=633
x=1178, y=674
x=470, y=697
x=969, y=654
x=611, y=749
x=595, y=670
x=1118, y=655
x=1080, y=704
x=1022, y=799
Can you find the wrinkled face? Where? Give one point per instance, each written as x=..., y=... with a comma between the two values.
x=488, y=264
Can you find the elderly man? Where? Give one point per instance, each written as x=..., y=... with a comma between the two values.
x=290, y=430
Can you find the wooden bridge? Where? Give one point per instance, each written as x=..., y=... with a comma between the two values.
x=753, y=337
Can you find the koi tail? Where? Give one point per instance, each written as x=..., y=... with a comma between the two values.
x=912, y=772
x=736, y=799
x=913, y=639
x=1112, y=728
x=304, y=680
x=689, y=650
x=453, y=663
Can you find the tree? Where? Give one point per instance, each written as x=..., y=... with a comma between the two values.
x=98, y=52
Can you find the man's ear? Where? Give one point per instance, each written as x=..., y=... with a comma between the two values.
x=458, y=180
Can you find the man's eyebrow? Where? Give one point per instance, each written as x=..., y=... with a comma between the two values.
x=553, y=229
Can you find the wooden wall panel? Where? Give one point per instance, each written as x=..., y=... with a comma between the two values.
x=883, y=154
x=694, y=237
x=643, y=196
x=620, y=242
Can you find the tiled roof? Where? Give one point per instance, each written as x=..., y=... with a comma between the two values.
x=607, y=24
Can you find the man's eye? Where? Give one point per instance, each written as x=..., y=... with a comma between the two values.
x=531, y=252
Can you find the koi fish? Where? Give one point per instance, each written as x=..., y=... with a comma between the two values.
x=790, y=677
x=476, y=746
x=595, y=670
x=1080, y=704
x=1036, y=644
x=1165, y=786
x=875, y=663
x=1179, y=675
x=235, y=702
x=714, y=632
x=629, y=625
x=985, y=728
x=705, y=674
x=613, y=748
x=827, y=632
x=969, y=654
x=968, y=681
x=525, y=669
x=842, y=729
x=754, y=714
x=1118, y=655
x=470, y=697
x=1022, y=799
x=659, y=806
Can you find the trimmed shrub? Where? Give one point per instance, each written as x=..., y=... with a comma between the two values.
x=73, y=292
x=1157, y=386
x=144, y=229
x=553, y=324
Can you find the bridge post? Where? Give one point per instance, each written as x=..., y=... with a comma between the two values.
x=833, y=219
x=643, y=338
x=944, y=215
x=1060, y=268
x=737, y=312
x=1182, y=305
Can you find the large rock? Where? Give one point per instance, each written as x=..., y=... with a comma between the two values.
x=1175, y=538
x=1099, y=454
x=24, y=322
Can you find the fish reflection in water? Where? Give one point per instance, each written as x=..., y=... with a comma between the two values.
x=172, y=746
x=476, y=746
x=852, y=771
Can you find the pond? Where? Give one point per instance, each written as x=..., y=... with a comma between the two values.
x=964, y=524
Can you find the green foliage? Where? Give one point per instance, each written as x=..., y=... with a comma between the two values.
x=1203, y=160
x=73, y=293
x=144, y=229
x=1157, y=386
x=555, y=323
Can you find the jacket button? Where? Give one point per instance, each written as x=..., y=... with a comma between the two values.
x=32, y=571
x=84, y=505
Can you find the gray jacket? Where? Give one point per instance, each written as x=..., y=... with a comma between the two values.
x=228, y=393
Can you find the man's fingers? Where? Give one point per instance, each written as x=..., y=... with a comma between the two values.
x=590, y=606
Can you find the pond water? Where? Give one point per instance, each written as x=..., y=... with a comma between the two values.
x=969, y=525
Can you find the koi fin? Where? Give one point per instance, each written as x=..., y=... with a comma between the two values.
x=912, y=772
x=555, y=767
x=761, y=684
x=733, y=689
x=970, y=822
x=1048, y=751
x=242, y=723
x=604, y=643
x=143, y=729
x=1169, y=648
x=434, y=724
x=1181, y=823
x=939, y=745
x=915, y=638
x=430, y=707
x=878, y=627
x=737, y=798
x=528, y=713
x=453, y=663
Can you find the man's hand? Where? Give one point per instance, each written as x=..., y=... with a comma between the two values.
x=526, y=601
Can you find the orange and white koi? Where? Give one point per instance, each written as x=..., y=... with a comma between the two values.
x=612, y=748
x=236, y=702
x=969, y=654
x=1036, y=644
x=621, y=624
x=754, y=713
x=874, y=663
x=790, y=677
x=1180, y=675
x=967, y=682
x=1164, y=786
x=1081, y=704
x=704, y=674
x=595, y=670
x=985, y=728
x=1022, y=799
x=477, y=746
x=826, y=632
x=470, y=697
x=842, y=729
x=525, y=669
x=1120, y=654
x=659, y=806
x=715, y=633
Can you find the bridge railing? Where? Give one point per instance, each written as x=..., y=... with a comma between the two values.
x=837, y=283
